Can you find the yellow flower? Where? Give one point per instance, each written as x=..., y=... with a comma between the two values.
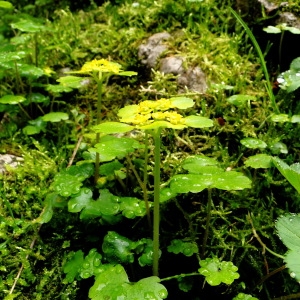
x=174, y=117
x=48, y=71
x=100, y=65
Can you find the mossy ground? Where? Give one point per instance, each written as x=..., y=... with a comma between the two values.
x=206, y=35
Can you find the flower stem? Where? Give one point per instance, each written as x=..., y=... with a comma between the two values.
x=156, y=216
x=99, y=106
x=208, y=217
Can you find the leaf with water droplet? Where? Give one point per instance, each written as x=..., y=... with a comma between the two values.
x=242, y=296
x=216, y=271
x=253, y=143
x=91, y=265
x=80, y=200
x=73, y=265
x=147, y=288
x=112, y=283
x=259, y=161
x=180, y=246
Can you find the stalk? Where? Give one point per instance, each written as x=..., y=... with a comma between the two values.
x=208, y=217
x=156, y=216
x=99, y=106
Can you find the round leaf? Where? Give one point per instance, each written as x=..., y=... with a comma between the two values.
x=253, y=143
x=55, y=117
x=281, y=118
x=28, y=26
x=272, y=29
x=11, y=99
x=259, y=161
x=6, y=5
x=198, y=122
x=161, y=124
x=112, y=127
x=182, y=102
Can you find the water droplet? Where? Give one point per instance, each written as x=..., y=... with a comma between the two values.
x=97, y=262
x=86, y=274
x=293, y=274
x=163, y=294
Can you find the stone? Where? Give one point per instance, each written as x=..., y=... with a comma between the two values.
x=10, y=160
x=148, y=53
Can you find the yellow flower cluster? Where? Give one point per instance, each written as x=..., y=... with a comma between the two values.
x=150, y=111
x=100, y=65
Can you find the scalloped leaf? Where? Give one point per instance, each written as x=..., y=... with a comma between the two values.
x=180, y=246
x=217, y=272
x=111, y=147
x=112, y=127
x=132, y=207
x=117, y=248
x=200, y=164
x=182, y=102
x=242, y=296
x=198, y=122
x=259, y=161
x=11, y=56
x=110, y=284
x=253, y=143
x=73, y=265
x=55, y=117
x=91, y=265
x=80, y=200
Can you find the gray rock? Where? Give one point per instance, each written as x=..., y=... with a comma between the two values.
x=172, y=65
x=194, y=79
x=9, y=159
x=149, y=52
x=289, y=18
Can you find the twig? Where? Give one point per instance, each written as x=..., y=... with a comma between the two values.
x=74, y=152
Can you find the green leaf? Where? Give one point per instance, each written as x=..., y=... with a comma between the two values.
x=146, y=259
x=295, y=119
x=182, y=102
x=272, y=29
x=73, y=82
x=288, y=228
x=67, y=185
x=180, y=246
x=111, y=284
x=55, y=117
x=198, y=122
x=259, y=161
x=11, y=99
x=91, y=265
x=295, y=64
x=57, y=89
x=80, y=200
x=161, y=124
x=253, y=143
x=111, y=147
x=117, y=248
x=242, y=296
x=278, y=148
x=128, y=111
x=166, y=194
x=195, y=183
x=27, y=25
x=147, y=288
x=280, y=118
x=30, y=71
x=6, y=5
x=109, y=169
x=73, y=265
x=240, y=100
x=216, y=272
x=11, y=56
x=112, y=127
x=132, y=207
x=36, y=126
x=107, y=204
x=38, y=98
x=293, y=30
x=200, y=164
x=292, y=173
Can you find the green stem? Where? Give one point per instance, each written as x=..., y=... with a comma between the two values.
x=180, y=276
x=156, y=216
x=208, y=217
x=145, y=179
x=261, y=58
x=99, y=107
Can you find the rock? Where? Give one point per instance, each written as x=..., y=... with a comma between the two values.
x=193, y=78
x=9, y=159
x=288, y=18
x=149, y=52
